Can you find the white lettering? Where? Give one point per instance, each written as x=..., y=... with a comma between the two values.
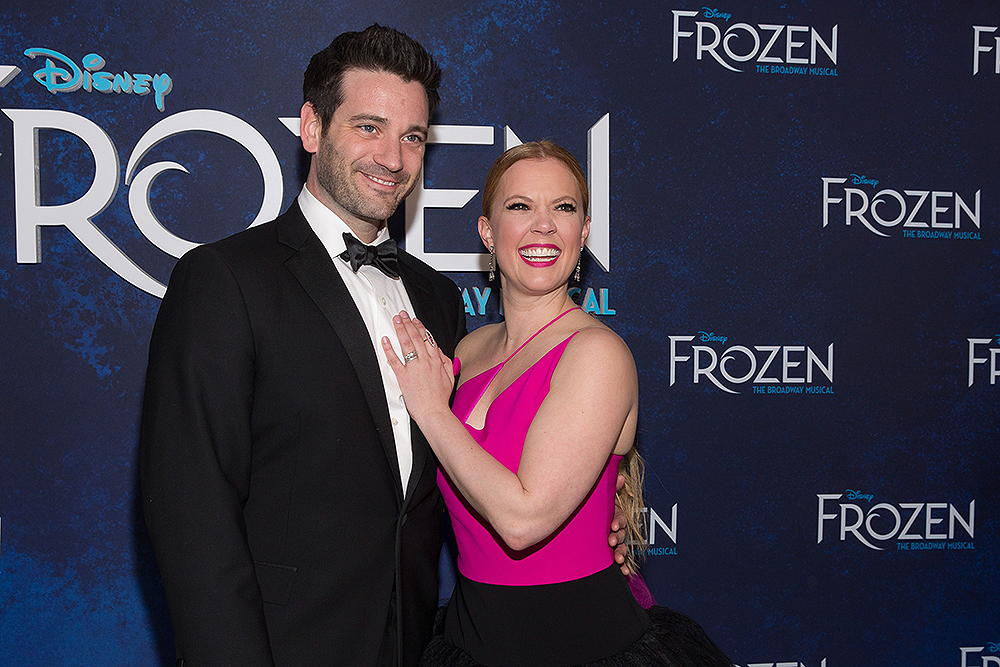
x=969, y=526
x=823, y=497
x=872, y=513
x=655, y=520
x=947, y=208
x=979, y=48
x=31, y=215
x=974, y=360
x=916, y=507
x=708, y=38
x=676, y=358
x=774, y=349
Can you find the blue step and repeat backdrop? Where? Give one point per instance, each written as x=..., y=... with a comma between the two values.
x=796, y=211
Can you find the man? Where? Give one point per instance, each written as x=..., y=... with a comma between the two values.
x=292, y=505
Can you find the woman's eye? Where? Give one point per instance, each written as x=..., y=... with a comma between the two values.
x=517, y=206
x=569, y=208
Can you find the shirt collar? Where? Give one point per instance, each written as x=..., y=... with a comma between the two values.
x=329, y=226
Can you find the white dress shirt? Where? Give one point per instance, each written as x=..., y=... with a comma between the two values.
x=379, y=298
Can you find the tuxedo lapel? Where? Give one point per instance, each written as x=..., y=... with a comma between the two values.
x=312, y=267
x=426, y=306
x=427, y=309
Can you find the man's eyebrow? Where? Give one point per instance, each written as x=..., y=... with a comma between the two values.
x=368, y=117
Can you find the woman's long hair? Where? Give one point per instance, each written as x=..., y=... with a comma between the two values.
x=628, y=500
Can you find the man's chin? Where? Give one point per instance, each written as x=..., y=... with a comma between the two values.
x=383, y=208
x=376, y=215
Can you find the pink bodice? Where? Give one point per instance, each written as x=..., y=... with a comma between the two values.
x=580, y=547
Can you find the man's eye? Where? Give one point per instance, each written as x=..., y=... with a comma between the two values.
x=413, y=139
x=367, y=128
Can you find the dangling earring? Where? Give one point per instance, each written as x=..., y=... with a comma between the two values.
x=576, y=274
x=493, y=265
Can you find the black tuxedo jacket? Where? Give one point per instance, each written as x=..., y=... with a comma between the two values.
x=268, y=468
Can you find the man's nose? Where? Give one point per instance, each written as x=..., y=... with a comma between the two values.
x=389, y=154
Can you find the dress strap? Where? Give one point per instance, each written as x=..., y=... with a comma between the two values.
x=546, y=326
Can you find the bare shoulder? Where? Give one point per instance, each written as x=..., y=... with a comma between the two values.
x=599, y=339
x=599, y=353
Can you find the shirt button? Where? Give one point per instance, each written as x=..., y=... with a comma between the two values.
x=383, y=302
x=395, y=422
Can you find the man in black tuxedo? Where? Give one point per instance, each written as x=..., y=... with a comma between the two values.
x=291, y=503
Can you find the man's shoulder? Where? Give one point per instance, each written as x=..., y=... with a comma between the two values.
x=256, y=242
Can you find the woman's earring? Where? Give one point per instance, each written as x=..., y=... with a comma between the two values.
x=576, y=274
x=493, y=264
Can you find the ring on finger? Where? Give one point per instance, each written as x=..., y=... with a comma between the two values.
x=409, y=356
x=428, y=338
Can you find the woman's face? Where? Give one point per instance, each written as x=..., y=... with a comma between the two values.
x=536, y=225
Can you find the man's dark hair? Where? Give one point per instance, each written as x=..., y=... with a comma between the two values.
x=376, y=49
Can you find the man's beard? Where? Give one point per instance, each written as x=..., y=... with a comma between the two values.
x=338, y=179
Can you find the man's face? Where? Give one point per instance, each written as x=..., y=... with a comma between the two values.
x=369, y=157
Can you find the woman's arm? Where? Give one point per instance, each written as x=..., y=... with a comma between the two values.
x=589, y=412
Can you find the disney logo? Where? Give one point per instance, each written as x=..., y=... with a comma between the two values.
x=857, y=495
x=863, y=180
x=61, y=75
x=715, y=14
x=993, y=647
x=710, y=336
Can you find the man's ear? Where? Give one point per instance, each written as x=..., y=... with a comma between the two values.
x=310, y=128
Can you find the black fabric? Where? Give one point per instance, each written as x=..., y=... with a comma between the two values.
x=265, y=439
x=672, y=640
x=566, y=623
x=381, y=256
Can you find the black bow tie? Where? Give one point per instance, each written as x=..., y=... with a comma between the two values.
x=381, y=256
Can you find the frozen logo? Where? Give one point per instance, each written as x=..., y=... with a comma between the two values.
x=785, y=663
x=662, y=536
x=911, y=526
x=973, y=656
x=925, y=214
x=986, y=40
x=60, y=74
x=78, y=216
x=990, y=359
x=769, y=369
x=773, y=47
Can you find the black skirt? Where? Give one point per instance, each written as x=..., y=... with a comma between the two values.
x=594, y=621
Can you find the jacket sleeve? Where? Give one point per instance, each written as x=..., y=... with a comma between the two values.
x=195, y=453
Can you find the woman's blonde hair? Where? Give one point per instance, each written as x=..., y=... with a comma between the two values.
x=532, y=150
x=629, y=502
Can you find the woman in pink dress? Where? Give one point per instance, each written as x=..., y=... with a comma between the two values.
x=543, y=419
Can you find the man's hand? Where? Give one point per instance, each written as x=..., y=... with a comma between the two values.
x=617, y=537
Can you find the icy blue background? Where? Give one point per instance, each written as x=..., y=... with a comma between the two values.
x=716, y=226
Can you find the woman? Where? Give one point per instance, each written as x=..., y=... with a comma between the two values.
x=544, y=417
